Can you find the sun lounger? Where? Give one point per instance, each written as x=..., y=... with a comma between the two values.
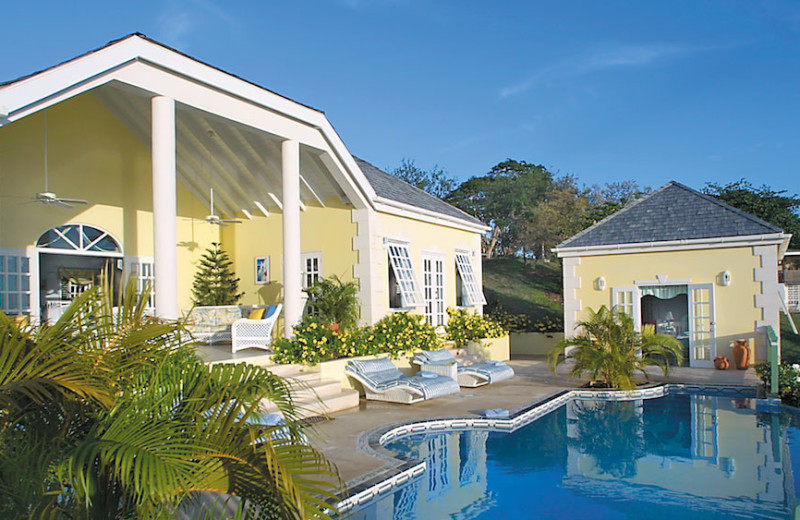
x=443, y=362
x=382, y=381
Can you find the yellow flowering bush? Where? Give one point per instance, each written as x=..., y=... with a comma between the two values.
x=464, y=326
x=314, y=343
x=402, y=331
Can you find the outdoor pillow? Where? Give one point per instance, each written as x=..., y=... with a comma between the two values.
x=256, y=314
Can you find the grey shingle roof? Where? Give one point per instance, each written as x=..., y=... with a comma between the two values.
x=390, y=187
x=672, y=212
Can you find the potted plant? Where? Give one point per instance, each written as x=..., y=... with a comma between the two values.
x=334, y=302
x=611, y=351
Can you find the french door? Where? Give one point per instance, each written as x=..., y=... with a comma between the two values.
x=702, y=345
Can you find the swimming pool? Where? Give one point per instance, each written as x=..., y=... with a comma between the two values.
x=686, y=455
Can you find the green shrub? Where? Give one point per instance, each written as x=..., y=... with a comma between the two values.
x=464, y=326
x=314, y=343
x=402, y=331
x=523, y=323
x=788, y=381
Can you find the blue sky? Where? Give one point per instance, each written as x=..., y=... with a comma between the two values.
x=695, y=91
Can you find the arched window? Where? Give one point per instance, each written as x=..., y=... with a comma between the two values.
x=79, y=237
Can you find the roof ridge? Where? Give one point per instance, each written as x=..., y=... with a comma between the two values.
x=418, y=190
x=165, y=46
x=624, y=209
x=728, y=207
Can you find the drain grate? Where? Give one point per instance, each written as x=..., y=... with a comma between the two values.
x=314, y=419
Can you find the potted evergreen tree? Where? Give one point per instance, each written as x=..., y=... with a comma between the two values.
x=215, y=282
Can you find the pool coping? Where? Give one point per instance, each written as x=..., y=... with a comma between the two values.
x=401, y=470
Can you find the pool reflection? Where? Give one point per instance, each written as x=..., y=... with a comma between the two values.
x=684, y=455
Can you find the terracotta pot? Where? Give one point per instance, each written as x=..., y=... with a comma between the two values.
x=721, y=363
x=741, y=354
x=333, y=327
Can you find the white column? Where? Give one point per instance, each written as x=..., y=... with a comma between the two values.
x=292, y=275
x=164, y=208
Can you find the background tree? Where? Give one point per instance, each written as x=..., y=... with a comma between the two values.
x=434, y=181
x=610, y=198
x=561, y=214
x=505, y=199
x=775, y=207
x=215, y=282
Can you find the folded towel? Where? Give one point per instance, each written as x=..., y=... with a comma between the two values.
x=425, y=373
x=495, y=363
x=495, y=413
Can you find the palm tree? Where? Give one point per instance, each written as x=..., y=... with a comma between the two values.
x=611, y=351
x=109, y=414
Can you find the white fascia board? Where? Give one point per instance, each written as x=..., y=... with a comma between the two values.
x=779, y=239
x=401, y=209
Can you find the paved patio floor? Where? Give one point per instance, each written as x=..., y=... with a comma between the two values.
x=339, y=438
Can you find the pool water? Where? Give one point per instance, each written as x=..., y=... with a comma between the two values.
x=680, y=456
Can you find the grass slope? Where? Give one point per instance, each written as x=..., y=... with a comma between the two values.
x=534, y=289
x=790, y=342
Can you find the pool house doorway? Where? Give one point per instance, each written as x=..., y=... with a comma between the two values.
x=684, y=311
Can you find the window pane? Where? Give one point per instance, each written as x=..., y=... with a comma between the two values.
x=12, y=282
x=11, y=264
x=25, y=284
x=26, y=302
x=13, y=302
x=25, y=265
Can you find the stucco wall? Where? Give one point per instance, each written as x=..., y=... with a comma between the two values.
x=91, y=156
x=738, y=313
x=422, y=237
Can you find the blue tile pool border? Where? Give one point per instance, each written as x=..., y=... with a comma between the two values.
x=404, y=470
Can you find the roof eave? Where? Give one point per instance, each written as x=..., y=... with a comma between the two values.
x=409, y=211
x=779, y=239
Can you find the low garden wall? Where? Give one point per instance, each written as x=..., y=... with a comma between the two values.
x=496, y=349
x=533, y=343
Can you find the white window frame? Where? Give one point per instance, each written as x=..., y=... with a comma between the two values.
x=22, y=281
x=473, y=293
x=433, y=286
x=405, y=274
x=143, y=268
x=310, y=277
x=628, y=299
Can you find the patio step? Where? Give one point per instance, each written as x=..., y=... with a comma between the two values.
x=313, y=395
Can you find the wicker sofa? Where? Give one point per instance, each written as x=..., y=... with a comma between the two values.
x=220, y=324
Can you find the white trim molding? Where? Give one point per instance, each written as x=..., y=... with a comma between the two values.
x=779, y=239
x=572, y=305
x=767, y=300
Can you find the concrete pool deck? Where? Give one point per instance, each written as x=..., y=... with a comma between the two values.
x=339, y=438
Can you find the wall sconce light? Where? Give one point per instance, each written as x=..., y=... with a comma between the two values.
x=725, y=278
x=600, y=283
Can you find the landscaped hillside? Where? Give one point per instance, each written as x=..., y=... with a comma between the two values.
x=533, y=289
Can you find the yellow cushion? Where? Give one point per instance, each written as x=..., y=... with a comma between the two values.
x=257, y=314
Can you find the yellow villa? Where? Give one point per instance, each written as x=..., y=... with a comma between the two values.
x=137, y=157
x=685, y=262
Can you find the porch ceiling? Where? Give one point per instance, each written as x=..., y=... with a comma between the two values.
x=241, y=164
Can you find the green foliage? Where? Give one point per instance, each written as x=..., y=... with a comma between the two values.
x=505, y=199
x=611, y=351
x=610, y=198
x=335, y=301
x=215, y=282
x=788, y=381
x=434, y=181
x=464, y=326
x=109, y=414
x=403, y=331
x=515, y=286
x=775, y=207
x=394, y=334
x=521, y=322
x=790, y=342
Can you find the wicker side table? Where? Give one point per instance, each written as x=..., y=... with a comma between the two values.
x=450, y=370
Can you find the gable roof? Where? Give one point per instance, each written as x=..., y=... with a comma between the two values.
x=673, y=212
x=390, y=187
x=25, y=95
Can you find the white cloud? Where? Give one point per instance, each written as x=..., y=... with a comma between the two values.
x=609, y=57
x=181, y=20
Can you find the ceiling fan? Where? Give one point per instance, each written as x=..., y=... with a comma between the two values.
x=216, y=219
x=47, y=196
